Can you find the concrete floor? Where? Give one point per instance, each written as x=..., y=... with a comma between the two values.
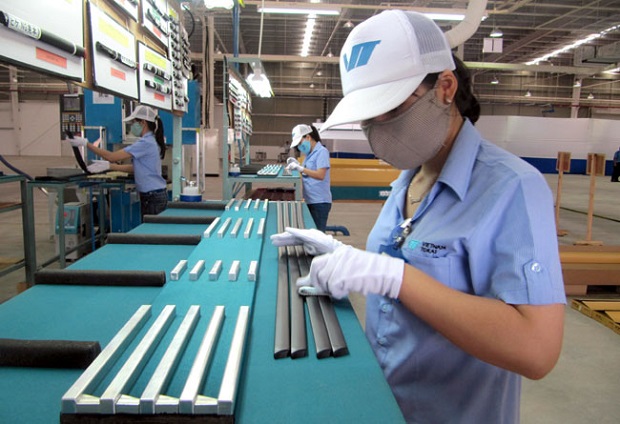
x=580, y=389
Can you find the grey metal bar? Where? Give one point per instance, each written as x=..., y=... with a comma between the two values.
x=161, y=377
x=129, y=372
x=214, y=273
x=299, y=343
x=76, y=399
x=230, y=380
x=282, y=340
x=319, y=329
x=252, y=271
x=190, y=402
x=261, y=228
x=334, y=331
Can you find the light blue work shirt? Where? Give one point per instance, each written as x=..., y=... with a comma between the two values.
x=317, y=191
x=487, y=228
x=146, y=164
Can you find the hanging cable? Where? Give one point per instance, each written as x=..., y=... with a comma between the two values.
x=260, y=34
x=186, y=8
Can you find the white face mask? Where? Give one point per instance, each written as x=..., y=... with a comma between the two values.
x=414, y=137
x=136, y=129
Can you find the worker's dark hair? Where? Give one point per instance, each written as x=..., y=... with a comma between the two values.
x=158, y=130
x=465, y=99
x=315, y=133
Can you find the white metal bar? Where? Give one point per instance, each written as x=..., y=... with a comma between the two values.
x=265, y=205
x=214, y=274
x=161, y=377
x=128, y=373
x=229, y=204
x=261, y=228
x=223, y=228
x=248, y=228
x=256, y=203
x=211, y=227
x=175, y=274
x=75, y=399
x=252, y=271
x=236, y=228
x=189, y=395
x=238, y=204
x=228, y=389
x=247, y=204
x=194, y=274
x=233, y=273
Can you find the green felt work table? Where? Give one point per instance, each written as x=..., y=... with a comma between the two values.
x=350, y=388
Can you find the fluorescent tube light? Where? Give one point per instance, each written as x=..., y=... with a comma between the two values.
x=299, y=11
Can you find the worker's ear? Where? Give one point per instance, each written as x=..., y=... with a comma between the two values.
x=447, y=85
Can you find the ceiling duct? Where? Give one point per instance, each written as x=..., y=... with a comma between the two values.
x=603, y=55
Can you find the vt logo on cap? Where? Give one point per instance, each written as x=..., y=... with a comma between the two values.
x=360, y=55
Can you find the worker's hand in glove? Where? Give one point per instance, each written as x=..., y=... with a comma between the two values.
x=315, y=242
x=291, y=160
x=294, y=166
x=98, y=166
x=78, y=141
x=348, y=269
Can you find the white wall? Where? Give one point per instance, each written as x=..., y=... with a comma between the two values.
x=38, y=133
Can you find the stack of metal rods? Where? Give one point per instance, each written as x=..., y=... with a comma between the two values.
x=293, y=262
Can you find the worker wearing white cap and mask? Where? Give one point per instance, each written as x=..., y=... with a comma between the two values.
x=314, y=172
x=461, y=270
x=146, y=155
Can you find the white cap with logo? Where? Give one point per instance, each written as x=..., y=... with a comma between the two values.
x=384, y=60
x=299, y=132
x=142, y=112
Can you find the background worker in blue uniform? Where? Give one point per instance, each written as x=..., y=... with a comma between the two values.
x=146, y=155
x=314, y=172
x=468, y=296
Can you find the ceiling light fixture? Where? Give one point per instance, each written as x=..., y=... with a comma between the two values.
x=348, y=24
x=305, y=47
x=258, y=81
x=494, y=81
x=219, y=4
x=590, y=96
x=528, y=93
x=577, y=83
x=496, y=33
x=575, y=44
x=299, y=8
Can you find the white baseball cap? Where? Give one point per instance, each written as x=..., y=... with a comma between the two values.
x=299, y=132
x=384, y=60
x=142, y=112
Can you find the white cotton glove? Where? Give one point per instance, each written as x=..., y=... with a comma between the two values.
x=291, y=160
x=315, y=242
x=98, y=166
x=294, y=166
x=78, y=141
x=348, y=269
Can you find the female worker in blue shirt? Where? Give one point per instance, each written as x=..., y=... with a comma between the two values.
x=314, y=172
x=146, y=155
x=462, y=273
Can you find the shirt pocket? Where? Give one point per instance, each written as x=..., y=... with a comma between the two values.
x=450, y=270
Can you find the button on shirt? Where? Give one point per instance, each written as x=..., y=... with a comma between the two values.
x=317, y=191
x=146, y=164
x=487, y=228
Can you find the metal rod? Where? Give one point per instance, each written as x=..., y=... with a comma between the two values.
x=76, y=398
x=194, y=274
x=235, y=230
x=128, y=373
x=230, y=381
x=161, y=377
x=175, y=274
x=282, y=341
x=211, y=227
x=299, y=344
x=222, y=230
x=189, y=395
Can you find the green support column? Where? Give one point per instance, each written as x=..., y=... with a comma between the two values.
x=177, y=145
